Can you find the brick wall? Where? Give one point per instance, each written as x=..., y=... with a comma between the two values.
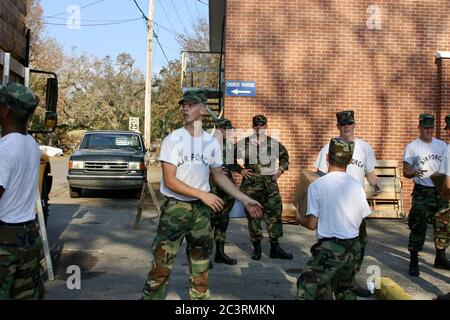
x=312, y=58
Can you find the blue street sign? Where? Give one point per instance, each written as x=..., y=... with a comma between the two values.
x=237, y=88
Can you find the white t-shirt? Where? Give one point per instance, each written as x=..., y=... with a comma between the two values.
x=339, y=202
x=19, y=172
x=426, y=156
x=193, y=157
x=363, y=160
x=444, y=167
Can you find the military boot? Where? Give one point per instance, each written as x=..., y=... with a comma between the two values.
x=221, y=257
x=414, y=264
x=277, y=253
x=441, y=262
x=256, y=255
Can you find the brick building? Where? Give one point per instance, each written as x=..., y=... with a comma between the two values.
x=384, y=59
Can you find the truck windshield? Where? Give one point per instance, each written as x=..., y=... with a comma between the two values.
x=111, y=141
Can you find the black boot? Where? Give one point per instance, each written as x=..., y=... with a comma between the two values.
x=414, y=264
x=221, y=257
x=277, y=253
x=441, y=262
x=256, y=250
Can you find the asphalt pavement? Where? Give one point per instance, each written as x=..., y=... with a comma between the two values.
x=95, y=233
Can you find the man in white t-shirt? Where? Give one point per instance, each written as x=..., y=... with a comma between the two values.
x=422, y=158
x=188, y=155
x=442, y=218
x=336, y=207
x=362, y=166
x=20, y=243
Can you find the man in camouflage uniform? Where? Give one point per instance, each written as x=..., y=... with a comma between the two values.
x=220, y=220
x=442, y=218
x=336, y=206
x=421, y=160
x=260, y=176
x=20, y=243
x=188, y=156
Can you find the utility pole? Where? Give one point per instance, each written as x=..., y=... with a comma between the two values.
x=148, y=78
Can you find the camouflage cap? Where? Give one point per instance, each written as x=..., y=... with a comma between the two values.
x=447, y=122
x=224, y=123
x=197, y=96
x=259, y=119
x=19, y=98
x=341, y=151
x=345, y=117
x=426, y=120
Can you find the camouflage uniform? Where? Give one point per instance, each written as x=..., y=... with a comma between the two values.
x=427, y=207
x=181, y=219
x=20, y=270
x=20, y=243
x=263, y=189
x=331, y=269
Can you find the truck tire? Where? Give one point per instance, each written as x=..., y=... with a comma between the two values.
x=74, y=192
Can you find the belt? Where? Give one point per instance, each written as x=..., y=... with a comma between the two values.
x=170, y=199
x=20, y=224
x=334, y=239
x=419, y=186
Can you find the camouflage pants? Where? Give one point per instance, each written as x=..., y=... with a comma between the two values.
x=20, y=270
x=190, y=220
x=363, y=243
x=426, y=208
x=330, y=271
x=264, y=190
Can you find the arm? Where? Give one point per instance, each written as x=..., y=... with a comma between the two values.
x=309, y=222
x=409, y=172
x=253, y=207
x=170, y=180
x=445, y=194
x=283, y=162
x=374, y=181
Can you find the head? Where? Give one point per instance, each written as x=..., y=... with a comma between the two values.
x=223, y=125
x=426, y=127
x=447, y=124
x=346, y=124
x=341, y=152
x=17, y=104
x=259, y=124
x=193, y=105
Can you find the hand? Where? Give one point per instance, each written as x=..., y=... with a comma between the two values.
x=212, y=201
x=254, y=208
x=419, y=173
x=246, y=173
x=277, y=175
x=376, y=189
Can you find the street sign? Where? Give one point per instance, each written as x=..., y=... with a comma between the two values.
x=133, y=124
x=237, y=88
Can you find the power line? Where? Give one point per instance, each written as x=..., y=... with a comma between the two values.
x=94, y=24
x=203, y=2
x=65, y=12
x=190, y=13
x=167, y=16
x=176, y=11
x=89, y=20
x=154, y=33
x=196, y=7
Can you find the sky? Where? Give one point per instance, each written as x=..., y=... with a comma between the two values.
x=171, y=17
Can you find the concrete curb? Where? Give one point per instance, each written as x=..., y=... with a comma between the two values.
x=390, y=290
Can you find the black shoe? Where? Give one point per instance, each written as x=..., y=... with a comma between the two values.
x=256, y=255
x=221, y=257
x=277, y=253
x=414, y=264
x=441, y=262
x=360, y=291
